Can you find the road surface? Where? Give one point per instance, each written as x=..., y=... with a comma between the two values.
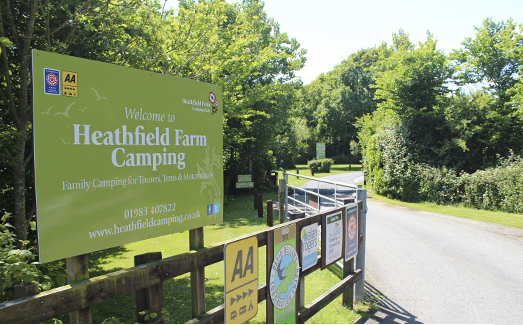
x=434, y=268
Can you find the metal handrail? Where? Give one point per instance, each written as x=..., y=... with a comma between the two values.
x=324, y=180
x=335, y=200
x=312, y=192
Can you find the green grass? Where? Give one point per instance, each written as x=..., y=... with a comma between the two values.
x=240, y=219
x=497, y=217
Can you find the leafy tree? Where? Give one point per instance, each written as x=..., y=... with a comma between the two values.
x=412, y=83
x=493, y=58
x=47, y=26
x=493, y=62
x=93, y=29
x=334, y=101
x=254, y=62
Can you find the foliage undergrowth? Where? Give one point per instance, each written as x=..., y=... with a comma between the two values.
x=323, y=165
x=17, y=266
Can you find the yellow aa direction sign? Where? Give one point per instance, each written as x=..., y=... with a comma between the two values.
x=241, y=280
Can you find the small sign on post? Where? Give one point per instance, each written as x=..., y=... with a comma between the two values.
x=309, y=246
x=332, y=238
x=351, y=231
x=245, y=181
x=241, y=280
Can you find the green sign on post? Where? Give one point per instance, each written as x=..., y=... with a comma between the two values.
x=121, y=155
x=320, y=150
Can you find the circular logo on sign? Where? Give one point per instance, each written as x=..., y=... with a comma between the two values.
x=303, y=234
x=212, y=97
x=352, y=227
x=284, y=276
x=52, y=80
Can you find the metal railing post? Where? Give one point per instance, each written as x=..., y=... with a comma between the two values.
x=286, y=212
x=360, y=259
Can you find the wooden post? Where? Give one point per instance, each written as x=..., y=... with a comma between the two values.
x=255, y=196
x=348, y=295
x=297, y=172
x=312, y=171
x=269, y=258
x=281, y=198
x=197, y=276
x=26, y=289
x=151, y=298
x=260, y=205
x=78, y=271
x=300, y=290
x=270, y=220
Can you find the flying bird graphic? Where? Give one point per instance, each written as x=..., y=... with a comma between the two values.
x=63, y=141
x=280, y=272
x=98, y=97
x=47, y=111
x=66, y=113
x=82, y=110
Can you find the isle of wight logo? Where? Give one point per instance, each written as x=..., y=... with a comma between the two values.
x=284, y=276
x=214, y=102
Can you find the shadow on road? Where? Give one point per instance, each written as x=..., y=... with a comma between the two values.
x=389, y=312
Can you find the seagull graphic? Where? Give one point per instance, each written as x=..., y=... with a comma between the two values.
x=82, y=110
x=98, y=97
x=47, y=111
x=66, y=113
x=63, y=141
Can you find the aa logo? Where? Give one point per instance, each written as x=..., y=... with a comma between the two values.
x=70, y=84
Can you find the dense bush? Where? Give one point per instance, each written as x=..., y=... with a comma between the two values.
x=323, y=165
x=17, y=266
x=499, y=188
x=344, y=160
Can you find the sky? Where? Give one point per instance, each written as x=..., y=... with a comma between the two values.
x=330, y=30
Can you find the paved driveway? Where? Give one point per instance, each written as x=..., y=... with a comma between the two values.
x=435, y=268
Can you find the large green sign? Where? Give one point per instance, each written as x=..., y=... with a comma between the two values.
x=121, y=155
x=320, y=150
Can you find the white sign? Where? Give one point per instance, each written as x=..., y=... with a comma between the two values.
x=334, y=238
x=351, y=235
x=309, y=246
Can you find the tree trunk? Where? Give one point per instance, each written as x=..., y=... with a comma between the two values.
x=21, y=220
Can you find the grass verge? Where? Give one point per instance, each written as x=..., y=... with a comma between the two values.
x=497, y=217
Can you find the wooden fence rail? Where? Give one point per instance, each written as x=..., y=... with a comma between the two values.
x=70, y=298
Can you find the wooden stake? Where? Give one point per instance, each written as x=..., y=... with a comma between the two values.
x=198, y=275
x=78, y=271
x=260, y=205
x=270, y=220
x=26, y=289
x=348, y=295
x=281, y=198
x=149, y=299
